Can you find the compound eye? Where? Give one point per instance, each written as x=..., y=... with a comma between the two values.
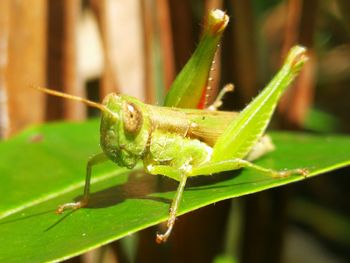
x=132, y=118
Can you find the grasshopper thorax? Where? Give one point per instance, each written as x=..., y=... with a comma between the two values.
x=124, y=134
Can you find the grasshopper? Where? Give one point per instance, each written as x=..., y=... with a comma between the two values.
x=182, y=143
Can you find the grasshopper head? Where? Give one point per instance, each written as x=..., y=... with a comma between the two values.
x=124, y=134
x=125, y=126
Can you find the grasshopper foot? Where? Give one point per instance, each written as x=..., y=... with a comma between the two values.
x=303, y=171
x=72, y=206
x=282, y=174
x=162, y=238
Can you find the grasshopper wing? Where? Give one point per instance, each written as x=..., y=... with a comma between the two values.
x=204, y=125
x=208, y=126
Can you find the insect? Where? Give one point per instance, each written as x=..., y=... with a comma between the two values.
x=182, y=143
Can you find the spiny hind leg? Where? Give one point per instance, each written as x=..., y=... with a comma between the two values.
x=94, y=160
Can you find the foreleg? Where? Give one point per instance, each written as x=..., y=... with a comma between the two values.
x=94, y=160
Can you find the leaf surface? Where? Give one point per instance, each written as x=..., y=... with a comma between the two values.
x=45, y=166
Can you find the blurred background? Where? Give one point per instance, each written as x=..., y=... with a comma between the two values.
x=91, y=48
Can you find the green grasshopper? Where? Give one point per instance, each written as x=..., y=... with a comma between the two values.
x=181, y=143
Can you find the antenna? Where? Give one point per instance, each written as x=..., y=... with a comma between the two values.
x=76, y=98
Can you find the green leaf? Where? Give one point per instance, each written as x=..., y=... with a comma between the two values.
x=321, y=121
x=45, y=166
